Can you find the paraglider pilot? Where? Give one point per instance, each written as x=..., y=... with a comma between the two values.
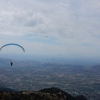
x=11, y=63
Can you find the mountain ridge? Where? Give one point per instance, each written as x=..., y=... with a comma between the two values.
x=44, y=94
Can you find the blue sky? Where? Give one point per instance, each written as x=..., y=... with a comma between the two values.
x=72, y=27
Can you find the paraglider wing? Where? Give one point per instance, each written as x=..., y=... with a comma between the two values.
x=12, y=44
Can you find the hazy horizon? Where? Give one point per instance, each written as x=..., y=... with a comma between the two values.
x=53, y=59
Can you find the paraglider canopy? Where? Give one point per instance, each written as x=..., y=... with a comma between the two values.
x=13, y=44
x=11, y=63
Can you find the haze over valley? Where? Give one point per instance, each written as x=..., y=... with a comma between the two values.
x=33, y=76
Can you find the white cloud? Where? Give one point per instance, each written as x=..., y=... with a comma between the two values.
x=63, y=18
x=71, y=22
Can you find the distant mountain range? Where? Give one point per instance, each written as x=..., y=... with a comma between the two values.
x=44, y=94
x=62, y=68
x=16, y=63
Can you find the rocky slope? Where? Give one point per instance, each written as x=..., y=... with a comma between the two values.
x=44, y=94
